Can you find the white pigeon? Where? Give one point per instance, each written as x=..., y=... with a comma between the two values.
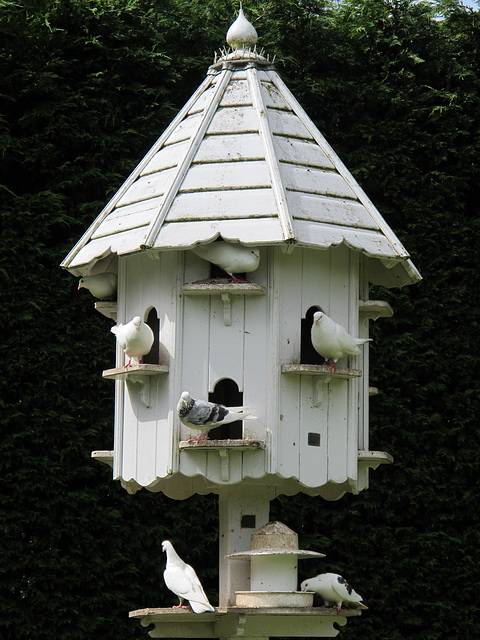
x=102, y=285
x=333, y=588
x=331, y=340
x=181, y=578
x=135, y=338
x=202, y=415
x=232, y=258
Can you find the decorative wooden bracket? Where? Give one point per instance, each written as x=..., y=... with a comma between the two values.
x=320, y=384
x=137, y=374
x=321, y=376
x=223, y=447
x=226, y=291
x=225, y=464
x=144, y=391
x=227, y=309
x=242, y=622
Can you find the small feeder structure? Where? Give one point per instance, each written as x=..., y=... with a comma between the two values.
x=242, y=163
x=274, y=556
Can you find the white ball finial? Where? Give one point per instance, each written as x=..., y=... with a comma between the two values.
x=242, y=33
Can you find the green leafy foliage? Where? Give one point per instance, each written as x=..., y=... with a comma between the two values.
x=87, y=86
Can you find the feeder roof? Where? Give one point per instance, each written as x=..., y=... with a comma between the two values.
x=242, y=160
x=275, y=539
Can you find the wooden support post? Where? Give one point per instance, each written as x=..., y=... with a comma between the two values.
x=242, y=510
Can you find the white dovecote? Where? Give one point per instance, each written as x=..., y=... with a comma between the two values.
x=243, y=163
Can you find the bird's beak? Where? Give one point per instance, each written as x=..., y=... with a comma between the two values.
x=79, y=287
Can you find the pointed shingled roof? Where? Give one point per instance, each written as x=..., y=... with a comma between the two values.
x=243, y=160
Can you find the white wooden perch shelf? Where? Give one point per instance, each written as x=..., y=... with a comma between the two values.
x=226, y=291
x=223, y=447
x=374, y=309
x=107, y=309
x=105, y=456
x=231, y=622
x=321, y=375
x=375, y=458
x=137, y=374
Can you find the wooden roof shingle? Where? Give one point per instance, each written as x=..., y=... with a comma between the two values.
x=243, y=160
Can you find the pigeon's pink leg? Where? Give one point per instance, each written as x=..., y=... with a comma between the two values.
x=332, y=365
x=338, y=608
x=129, y=364
x=235, y=279
x=181, y=605
x=202, y=436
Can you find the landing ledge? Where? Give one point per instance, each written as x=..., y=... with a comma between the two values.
x=214, y=445
x=321, y=370
x=230, y=622
x=161, y=613
x=210, y=287
x=134, y=370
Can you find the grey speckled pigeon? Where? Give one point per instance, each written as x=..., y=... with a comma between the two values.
x=203, y=416
x=102, y=285
x=135, y=338
x=331, y=340
x=232, y=258
x=333, y=588
x=181, y=578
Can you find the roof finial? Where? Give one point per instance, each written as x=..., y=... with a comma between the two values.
x=242, y=34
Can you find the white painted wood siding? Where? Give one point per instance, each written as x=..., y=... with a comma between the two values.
x=209, y=351
x=264, y=334
x=146, y=433
x=328, y=279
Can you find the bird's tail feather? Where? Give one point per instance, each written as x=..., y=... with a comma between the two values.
x=238, y=409
x=362, y=340
x=201, y=607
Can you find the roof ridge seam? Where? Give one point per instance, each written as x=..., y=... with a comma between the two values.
x=158, y=221
x=135, y=173
x=265, y=131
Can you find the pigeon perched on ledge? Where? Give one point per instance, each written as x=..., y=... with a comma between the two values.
x=135, y=338
x=181, y=578
x=331, y=341
x=333, y=588
x=232, y=258
x=101, y=285
x=202, y=415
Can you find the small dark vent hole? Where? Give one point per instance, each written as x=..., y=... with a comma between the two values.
x=313, y=439
x=308, y=355
x=226, y=392
x=248, y=522
x=154, y=324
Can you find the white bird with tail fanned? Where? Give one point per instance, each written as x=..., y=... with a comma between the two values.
x=333, y=588
x=202, y=415
x=232, y=258
x=135, y=338
x=181, y=578
x=331, y=341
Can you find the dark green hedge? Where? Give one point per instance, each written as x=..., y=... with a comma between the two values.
x=87, y=86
